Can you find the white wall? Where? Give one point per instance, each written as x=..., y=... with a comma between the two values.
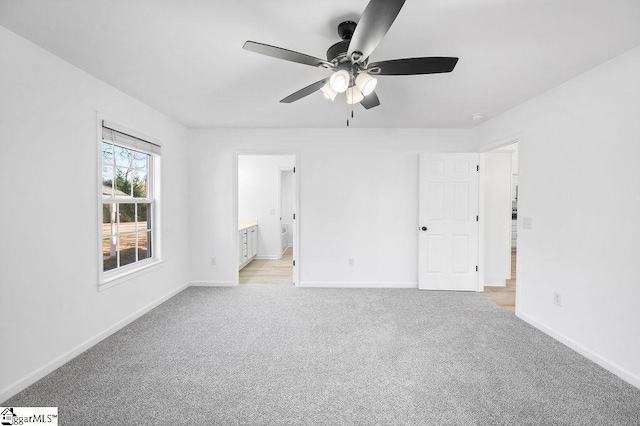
x=358, y=199
x=578, y=174
x=51, y=308
x=286, y=209
x=258, y=180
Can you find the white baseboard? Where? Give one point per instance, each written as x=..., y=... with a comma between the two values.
x=58, y=362
x=211, y=284
x=269, y=257
x=608, y=365
x=360, y=284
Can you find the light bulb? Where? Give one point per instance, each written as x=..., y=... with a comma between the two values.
x=340, y=81
x=354, y=95
x=328, y=92
x=366, y=83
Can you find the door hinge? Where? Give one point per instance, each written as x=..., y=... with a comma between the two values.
x=294, y=170
x=294, y=216
x=477, y=218
x=477, y=168
x=294, y=264
x=476, y=268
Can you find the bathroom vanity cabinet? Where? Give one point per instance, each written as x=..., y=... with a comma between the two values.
x=247, y=243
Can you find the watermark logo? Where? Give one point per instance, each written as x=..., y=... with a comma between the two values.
x=10, y=416
x=6, y=416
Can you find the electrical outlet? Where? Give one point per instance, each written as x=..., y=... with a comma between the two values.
x=351, y=261
x=213, y=261
x=557, y=299
x=527, y=223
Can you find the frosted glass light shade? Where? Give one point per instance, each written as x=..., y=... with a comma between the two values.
x=354, y=95
x=328, y=92
x=366, y=83
x=339, y=81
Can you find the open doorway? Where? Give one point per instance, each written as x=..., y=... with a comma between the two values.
x=500, y=201
x=266, y=204
x=286, y=213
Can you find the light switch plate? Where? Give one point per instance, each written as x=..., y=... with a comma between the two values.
x=527, y=223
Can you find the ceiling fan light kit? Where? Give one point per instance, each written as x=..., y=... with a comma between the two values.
x=328, y=92
x=349, y=58
x=354, y=95
x=366, y=83
x=340, y=81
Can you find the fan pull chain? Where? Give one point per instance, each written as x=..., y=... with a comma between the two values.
x=347, y=111
x=350, y=106
x=351, y=116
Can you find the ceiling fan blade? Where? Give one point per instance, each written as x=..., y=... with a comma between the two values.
x=412, y=66
x=280, y=53
x=373, y=26
x=305, y=92
x=370, y=101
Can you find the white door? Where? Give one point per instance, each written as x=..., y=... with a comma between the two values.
x=496, y=213
x=448, y=242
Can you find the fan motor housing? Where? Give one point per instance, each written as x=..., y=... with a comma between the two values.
x=340, y=48
x=345, y=31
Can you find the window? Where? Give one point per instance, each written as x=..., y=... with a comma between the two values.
x=127, y=228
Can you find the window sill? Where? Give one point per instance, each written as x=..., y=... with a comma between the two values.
x=119, y=277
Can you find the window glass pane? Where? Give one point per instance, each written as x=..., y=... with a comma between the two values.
x=107, y=153
x=124, y=156
x=143, y=245
x=127, y=217
x=140, y=183
x=141, y=160
x=149, y=244
x=107, y=181
x=127, y=249
x=144, y=222
x=109, y=223
x=109, y=254
x=123, y=182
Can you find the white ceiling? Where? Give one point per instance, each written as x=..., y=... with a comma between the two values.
x=185, y=57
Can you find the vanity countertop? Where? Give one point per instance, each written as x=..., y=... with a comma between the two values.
x=244, y=224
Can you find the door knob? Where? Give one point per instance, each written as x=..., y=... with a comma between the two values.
x=424, y=228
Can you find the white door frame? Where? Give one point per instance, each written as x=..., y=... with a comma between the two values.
x=296, y=206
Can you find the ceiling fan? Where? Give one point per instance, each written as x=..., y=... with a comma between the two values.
x=349, y=58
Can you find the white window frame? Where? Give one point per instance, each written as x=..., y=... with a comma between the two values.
x=108, y=279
